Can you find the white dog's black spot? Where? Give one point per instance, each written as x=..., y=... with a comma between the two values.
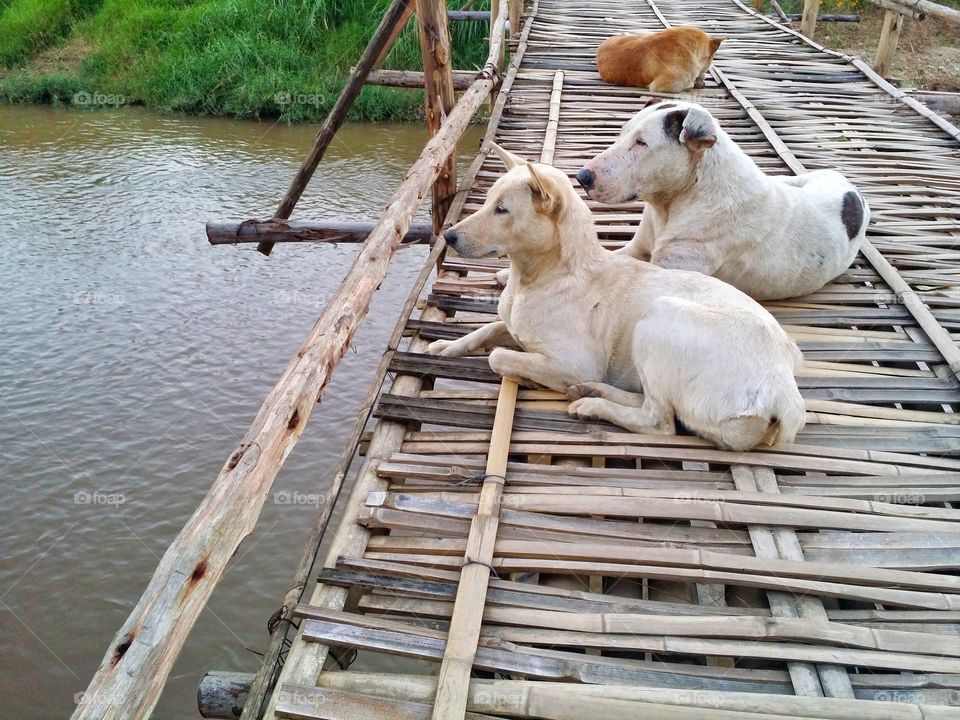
x=851, y=213
x=673, y=124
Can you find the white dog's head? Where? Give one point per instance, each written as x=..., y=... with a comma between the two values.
x=521, y=213
x=656, y=154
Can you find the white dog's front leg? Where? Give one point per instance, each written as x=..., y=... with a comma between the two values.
x=494, y=333
x=535, y=367
x=685, y=255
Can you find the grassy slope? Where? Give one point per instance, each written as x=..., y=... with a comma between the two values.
x=245, y=58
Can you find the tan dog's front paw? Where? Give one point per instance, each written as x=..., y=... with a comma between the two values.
x=499, y=361
x=584, y=390
x=502, y=276
x=587, y=408
x=440, y=347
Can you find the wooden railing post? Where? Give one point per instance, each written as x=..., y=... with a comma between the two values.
x=808, y=23
x=380, y=43
x=438, y=85
x=889, y=37
x=516, y=8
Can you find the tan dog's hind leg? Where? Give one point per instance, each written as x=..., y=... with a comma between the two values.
x=605, y=391
x=651, y=419
x=535, y=367
x=494, y=333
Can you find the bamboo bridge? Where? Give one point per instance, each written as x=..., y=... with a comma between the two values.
x=508, y=561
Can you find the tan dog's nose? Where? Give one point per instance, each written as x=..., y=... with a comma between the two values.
x=451, y=237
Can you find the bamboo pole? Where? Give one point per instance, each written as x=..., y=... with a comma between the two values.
x=808, y=22
x=438, y=88
x=380, y=43
x=889, y=37
x=394, y=34
x=274, y=231
x=462, y=79
x=468, y=608
x=454, y=677
x=138, y=660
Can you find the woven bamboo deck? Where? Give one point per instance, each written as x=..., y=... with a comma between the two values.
x=626, y=576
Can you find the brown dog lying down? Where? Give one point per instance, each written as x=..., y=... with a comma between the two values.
x=669, y=61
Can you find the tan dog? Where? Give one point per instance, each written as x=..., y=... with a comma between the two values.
x=603, y=326
x=669, y=61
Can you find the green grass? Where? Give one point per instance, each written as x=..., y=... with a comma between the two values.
x=245, y=58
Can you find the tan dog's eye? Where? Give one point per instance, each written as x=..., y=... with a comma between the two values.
x=499, y=209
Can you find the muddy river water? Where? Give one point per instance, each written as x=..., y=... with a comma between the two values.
x=133, y=356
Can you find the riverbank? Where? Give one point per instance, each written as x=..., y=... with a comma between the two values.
x=928, y=54
x=240, y=58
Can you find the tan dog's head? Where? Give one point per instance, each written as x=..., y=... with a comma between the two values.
x=655, y=156
x=521, y=212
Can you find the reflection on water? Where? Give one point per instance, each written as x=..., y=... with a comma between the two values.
x=133, y=357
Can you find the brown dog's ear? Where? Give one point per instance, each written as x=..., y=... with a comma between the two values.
x=715, y=43
x=509, y=159
x=546, y=196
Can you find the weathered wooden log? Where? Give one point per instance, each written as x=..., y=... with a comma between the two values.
x=440, y=96
x=808, y=22
x=919, y=9
x=139, y=658
x=827, y=18
x=910, y=9
x=414, y=78
x=889, y=37
x=468, y=15
x=383, y=37
x=223, y=694
x=274, y=230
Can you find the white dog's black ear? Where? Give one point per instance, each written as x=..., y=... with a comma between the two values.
x=699, y=130
x=544, y=192
x=509, y=159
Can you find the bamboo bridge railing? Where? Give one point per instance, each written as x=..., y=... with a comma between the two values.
x=139, y=658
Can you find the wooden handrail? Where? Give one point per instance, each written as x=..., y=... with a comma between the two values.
x=138, y=660
x=919, y=9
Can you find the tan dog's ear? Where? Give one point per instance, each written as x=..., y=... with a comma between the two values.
x=509, y=159
x=545, y=195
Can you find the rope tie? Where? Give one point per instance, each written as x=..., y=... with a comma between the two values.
x=468, y=561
